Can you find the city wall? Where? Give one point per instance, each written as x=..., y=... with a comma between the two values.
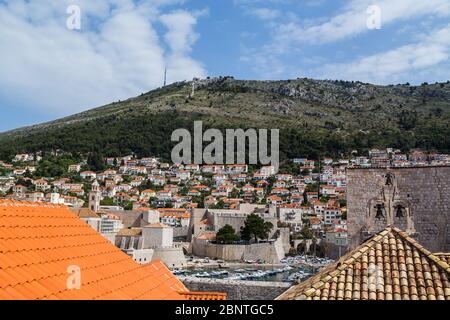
x=173, y=257
x=269, y=252
x=238, y=290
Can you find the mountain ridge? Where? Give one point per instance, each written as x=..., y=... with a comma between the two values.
x=336, y=110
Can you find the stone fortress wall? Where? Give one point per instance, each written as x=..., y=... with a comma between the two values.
x=414, y=199
x=238, y=290
x=269, y=252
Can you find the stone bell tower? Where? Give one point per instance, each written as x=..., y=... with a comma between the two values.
x=95, y=197
x=388, y=209
x=413, y=199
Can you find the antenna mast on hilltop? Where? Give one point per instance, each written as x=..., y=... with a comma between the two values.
x=165, y=77
x=193, y=88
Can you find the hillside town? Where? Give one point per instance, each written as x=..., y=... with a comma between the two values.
x=156, y=210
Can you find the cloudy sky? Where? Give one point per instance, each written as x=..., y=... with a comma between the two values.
x=51, y=68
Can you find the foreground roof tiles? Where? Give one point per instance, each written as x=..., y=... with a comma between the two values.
x=204, y=295
x=40, y=244
x=389, y=266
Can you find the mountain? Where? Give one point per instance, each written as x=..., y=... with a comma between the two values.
x=315, y=117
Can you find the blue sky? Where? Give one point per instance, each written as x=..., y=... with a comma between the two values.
x=122, y=47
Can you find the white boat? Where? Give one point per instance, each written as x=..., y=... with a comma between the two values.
x=202, y=275
x=218, y=273
x=297, y=276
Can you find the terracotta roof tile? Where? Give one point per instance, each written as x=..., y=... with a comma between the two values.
x=204, y=295
x=130, y=232
x=85, y=213
x=389, y=266
x=156, y=225
x=39, y=242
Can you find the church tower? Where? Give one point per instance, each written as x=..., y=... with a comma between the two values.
x=94, y=197
x=389, y=208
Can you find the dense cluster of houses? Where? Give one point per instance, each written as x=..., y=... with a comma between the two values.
x=314, y=198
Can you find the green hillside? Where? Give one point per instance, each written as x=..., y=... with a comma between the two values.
x=315, y=118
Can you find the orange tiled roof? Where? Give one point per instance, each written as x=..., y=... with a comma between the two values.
x=156, y=225
x=204, y=295
x=130, y=232
x=38, y=243
x=85, y=213
x=389, y=266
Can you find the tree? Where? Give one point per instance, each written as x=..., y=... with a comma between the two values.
x=127, y=205
x=312, y=187
x=227, y=235
x=255, y=227
x=235, y=193
x=95, y=161
x=107, y=202
x=28, y=174
x=219, y=205
x=437, y=112
x=52, y=166
x=408, y=120
x=26, y=183
x=342, y=203
x=307, y=233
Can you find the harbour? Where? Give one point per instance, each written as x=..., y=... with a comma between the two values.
x=291, y=269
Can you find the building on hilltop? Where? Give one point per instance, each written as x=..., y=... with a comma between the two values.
x=389, y=266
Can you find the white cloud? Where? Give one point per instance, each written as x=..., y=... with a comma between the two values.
x=117, y=53
x=265, y=13
x=252, y=2
x=291, y=37
x=262, y=9
x=181, y=35
x=353, y=20
x=397, y=65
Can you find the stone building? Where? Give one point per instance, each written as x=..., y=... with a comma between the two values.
x=214, y=219
x=414, y=199
x=157, y=235
x=205, y=223
x=151, y=242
